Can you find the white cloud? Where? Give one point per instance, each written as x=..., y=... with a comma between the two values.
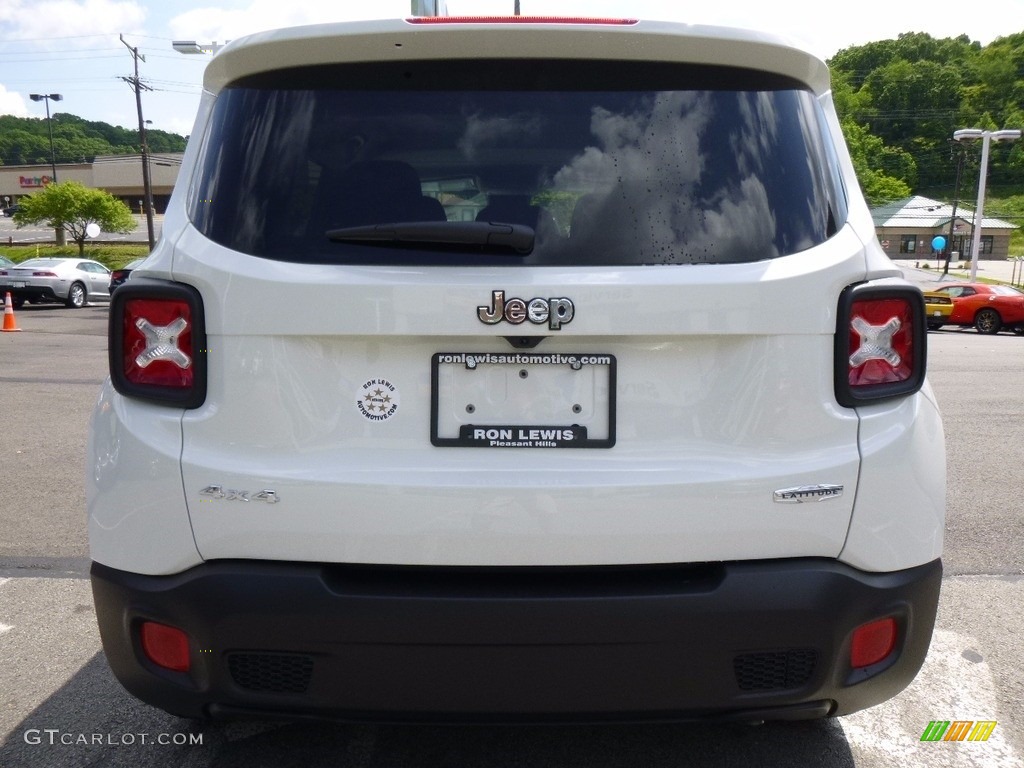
x=47, y=20
x=12, y=103
x=214, y=23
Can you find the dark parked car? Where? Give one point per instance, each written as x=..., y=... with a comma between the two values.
x=4, y=263
x=11, y=210
x=118, y=276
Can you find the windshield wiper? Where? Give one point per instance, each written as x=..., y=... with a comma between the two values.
x=476, y=235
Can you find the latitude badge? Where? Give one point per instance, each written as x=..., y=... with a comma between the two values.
x=377, y=400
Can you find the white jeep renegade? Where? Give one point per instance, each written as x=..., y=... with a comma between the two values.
x=516, y=369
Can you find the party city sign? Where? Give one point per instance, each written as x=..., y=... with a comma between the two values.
x=33, y=181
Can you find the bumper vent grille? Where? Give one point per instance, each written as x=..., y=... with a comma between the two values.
x=271, y=672
x=775, y=670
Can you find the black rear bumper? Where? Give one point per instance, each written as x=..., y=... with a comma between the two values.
x=753, y=640
x=33, y=293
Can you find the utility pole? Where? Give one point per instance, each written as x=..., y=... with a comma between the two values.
x=147, y=184
x=956, y=201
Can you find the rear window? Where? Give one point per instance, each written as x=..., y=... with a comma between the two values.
x=41, y=263
x=599, y=163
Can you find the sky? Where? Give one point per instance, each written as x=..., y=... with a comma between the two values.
x=75, y=48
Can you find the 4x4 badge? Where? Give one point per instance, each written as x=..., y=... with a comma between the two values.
x=556, y=312
x=229, y=494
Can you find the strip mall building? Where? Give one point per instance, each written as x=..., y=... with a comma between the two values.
x=120, y=175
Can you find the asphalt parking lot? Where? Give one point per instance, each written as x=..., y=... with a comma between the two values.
x=12, y=234
x=61, y=706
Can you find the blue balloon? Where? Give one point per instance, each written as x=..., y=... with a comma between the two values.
x=938, y=242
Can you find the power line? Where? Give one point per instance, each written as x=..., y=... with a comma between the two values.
x=36, y=51
x=55, y=58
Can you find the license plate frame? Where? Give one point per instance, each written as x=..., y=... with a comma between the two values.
x=571, y=398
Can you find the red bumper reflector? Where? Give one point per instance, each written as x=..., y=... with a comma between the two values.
x=872, y=642
x=165, y=646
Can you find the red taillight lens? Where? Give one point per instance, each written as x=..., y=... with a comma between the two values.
x=158, y=343
x=165, y=646
x=872, y=643
x=880, y=344
x=44, y=274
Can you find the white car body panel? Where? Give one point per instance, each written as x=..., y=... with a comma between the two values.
x=133, y=487
x=267, y=321
x=295, y=350
x=903, y=456
x=402, y=40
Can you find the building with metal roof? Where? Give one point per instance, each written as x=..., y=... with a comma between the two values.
x=906, y=228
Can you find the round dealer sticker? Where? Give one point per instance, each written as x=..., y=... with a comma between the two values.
x=377, y=399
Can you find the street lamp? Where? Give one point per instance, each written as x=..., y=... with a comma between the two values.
x=972, y=134
x=192, y=47
x=49, y=125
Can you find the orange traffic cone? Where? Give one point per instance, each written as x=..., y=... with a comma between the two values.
x=9, y=324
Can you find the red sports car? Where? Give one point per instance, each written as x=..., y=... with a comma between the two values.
x=989, y=308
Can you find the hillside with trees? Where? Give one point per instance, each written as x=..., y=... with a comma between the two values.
x=900, y=100
x=26, y=141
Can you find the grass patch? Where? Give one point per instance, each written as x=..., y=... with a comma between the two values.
x=966, y=276
x=113, y=256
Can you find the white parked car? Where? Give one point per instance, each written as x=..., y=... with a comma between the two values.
x=73, y=282
x=516, y=369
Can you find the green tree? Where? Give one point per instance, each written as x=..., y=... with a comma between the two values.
x=914, y=91
x=860, y=61
x=914, y=100
x=885, y=173
x=20, y=147
x=72, y=207
x=850, y=103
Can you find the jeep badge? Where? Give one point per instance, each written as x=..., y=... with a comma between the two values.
x=556, y=312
